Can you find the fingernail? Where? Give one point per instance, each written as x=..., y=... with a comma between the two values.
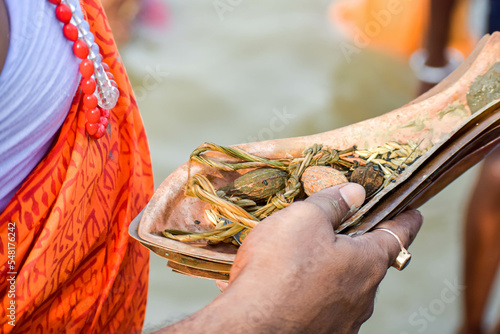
x=353, y=194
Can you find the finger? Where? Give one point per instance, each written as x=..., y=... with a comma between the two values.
x=338, y=202
x=405, y=225
x=222, y=285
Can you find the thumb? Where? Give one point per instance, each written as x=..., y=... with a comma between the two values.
x=338, y=202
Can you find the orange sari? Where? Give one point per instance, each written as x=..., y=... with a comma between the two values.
x=76, y=269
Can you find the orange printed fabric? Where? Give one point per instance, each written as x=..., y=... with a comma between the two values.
x=76, y=269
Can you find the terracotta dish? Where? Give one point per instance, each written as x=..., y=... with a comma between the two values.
x=458, y=121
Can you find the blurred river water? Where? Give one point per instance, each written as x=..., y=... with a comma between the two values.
x=264, y=70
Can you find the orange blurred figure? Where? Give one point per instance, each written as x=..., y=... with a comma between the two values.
x=395, y=26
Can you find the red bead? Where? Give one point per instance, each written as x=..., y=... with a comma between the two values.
x=55, y=2
x=105, y=113
x=90, y=101
x=105, y=66
x=80, y=49
x=110, y=76
x=93, y=115
x=100, y=131
x=63, y=13
x=70, y=32
x=88, y=85
x=87, y=68
x=104, y=121
x=91, y=128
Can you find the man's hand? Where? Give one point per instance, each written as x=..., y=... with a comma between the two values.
x=293, y=274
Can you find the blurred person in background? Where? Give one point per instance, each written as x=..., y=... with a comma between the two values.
x=433, y=37
x=482, y=223
x=123, y=15
x=75, y=170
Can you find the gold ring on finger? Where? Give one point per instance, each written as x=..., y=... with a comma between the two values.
x=404, y=257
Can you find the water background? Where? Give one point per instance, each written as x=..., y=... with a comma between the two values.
x=224, y=78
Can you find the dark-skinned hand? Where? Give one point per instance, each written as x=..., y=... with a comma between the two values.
x=293, y=274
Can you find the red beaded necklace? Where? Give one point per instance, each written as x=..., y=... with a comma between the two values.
x=100, y=92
